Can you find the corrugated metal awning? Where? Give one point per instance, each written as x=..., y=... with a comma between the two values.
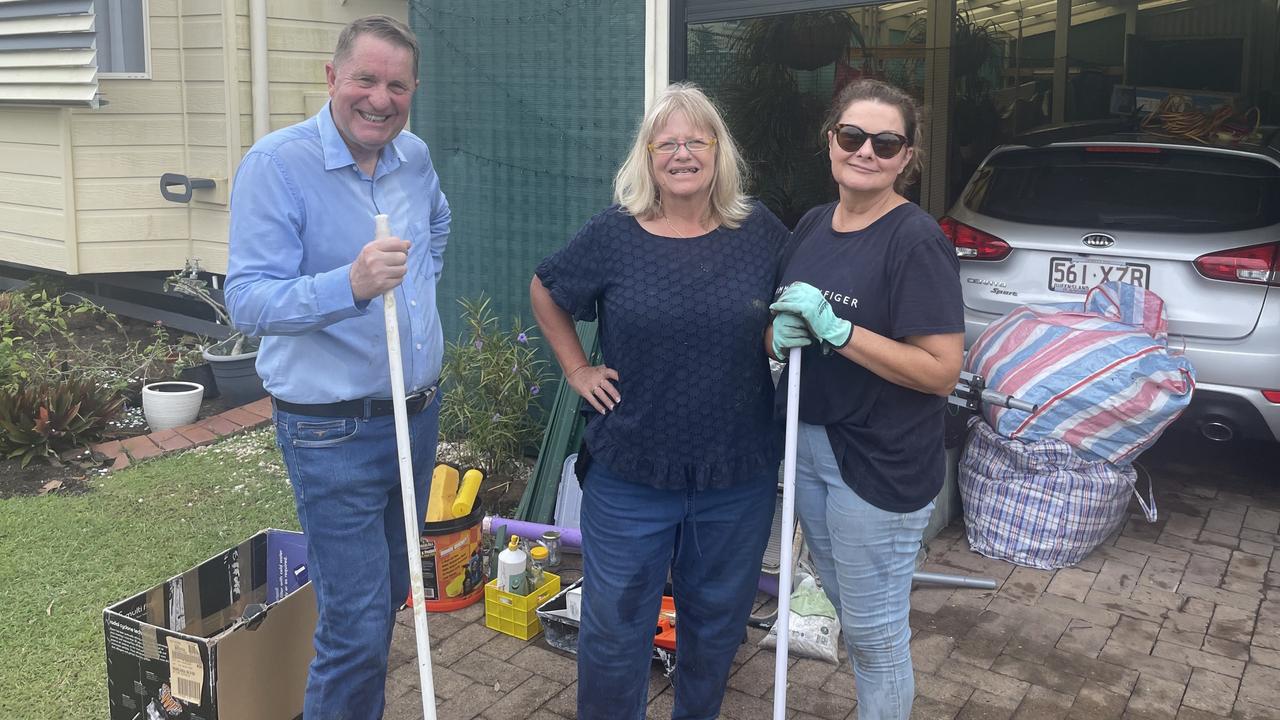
x=47, y=53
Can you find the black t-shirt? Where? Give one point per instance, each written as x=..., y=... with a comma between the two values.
x=682, y=321
x=897, y=277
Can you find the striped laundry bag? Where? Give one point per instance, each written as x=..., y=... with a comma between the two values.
x=1040, y=504
x=1100, y=372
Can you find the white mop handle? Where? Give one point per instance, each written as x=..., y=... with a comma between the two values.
x=782, y=624
x=382, y=229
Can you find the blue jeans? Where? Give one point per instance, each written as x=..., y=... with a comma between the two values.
x=712, y=542
x=346, y=483
x=865, y=557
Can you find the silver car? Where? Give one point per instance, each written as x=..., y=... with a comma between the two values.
x=1198, y=224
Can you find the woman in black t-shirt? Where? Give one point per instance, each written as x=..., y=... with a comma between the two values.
x=873, y=278
x=684, y=449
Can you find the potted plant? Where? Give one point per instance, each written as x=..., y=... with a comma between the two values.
x=190, y=365
x=800, y=41
x=233, y=358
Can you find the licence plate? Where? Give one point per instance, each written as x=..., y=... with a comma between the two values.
x=1079, y=275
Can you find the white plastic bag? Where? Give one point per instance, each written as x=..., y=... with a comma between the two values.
x=813, y=625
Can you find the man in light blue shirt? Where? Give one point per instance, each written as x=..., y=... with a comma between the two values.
x=306, y=275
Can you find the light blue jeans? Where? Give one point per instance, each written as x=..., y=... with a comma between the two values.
x=865, y=557
x=346, y=484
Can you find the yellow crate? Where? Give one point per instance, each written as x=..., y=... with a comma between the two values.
x=516, y=615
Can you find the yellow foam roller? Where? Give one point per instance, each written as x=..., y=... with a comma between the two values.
x=467, y=493
x=444, y=486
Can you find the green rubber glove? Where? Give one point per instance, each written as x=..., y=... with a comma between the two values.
x=789, y=331
x=806, y=301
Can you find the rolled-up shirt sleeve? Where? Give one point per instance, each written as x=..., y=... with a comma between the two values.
x=266, y=292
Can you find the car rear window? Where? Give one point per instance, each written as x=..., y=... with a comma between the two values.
x=1137, y=187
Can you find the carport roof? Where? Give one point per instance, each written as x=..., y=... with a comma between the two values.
x=1035, y=16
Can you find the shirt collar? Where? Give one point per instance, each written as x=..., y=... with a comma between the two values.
x=338, y=155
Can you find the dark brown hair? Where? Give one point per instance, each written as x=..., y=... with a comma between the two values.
x=384, y=27
x=883, y=92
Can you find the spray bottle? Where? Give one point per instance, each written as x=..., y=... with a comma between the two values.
x=511, y=568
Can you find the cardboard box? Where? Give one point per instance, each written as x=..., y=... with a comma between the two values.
x=210, y=644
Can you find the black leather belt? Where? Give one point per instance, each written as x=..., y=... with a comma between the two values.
x=365, y=408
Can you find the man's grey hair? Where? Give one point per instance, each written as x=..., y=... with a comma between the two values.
x=380, y=26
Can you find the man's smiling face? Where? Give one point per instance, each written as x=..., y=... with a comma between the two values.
x=370, y=92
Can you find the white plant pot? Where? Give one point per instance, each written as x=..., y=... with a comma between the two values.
x=171, y=403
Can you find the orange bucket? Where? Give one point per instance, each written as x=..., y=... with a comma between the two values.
x=453, y=567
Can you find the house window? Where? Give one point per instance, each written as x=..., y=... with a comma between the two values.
x=122, y=38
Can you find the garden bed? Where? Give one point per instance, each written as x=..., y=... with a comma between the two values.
x=492, y=379
x=125, y=351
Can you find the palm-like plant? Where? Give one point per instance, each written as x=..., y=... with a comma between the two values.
x=773, y=120
x=42, y=421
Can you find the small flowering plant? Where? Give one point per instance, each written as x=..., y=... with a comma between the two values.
x=491, y=380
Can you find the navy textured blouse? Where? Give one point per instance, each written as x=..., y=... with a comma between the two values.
x=682, y=321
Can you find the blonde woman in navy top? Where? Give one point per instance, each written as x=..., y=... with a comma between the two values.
x=684, y=453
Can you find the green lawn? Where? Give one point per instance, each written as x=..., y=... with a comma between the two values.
x=65, y=558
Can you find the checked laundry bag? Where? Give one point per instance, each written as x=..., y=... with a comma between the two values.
x=1100, y=372
x=1043, y=489
x=1039, y=503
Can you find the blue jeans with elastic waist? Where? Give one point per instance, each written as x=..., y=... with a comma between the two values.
x=346, y=484
x=865, y=557
x=711, y=542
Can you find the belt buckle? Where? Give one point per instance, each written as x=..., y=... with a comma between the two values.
x=421, y=398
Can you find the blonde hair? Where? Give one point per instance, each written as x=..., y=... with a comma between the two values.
x=634, y=187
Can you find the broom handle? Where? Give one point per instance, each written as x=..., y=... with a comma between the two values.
x=788, y=532
x=382, y=229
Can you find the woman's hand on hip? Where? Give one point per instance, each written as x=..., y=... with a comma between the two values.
x=595, y=384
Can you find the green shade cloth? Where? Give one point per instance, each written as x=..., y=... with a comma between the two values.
x=528, y=106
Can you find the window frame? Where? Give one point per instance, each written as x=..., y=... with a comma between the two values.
x=145, y=74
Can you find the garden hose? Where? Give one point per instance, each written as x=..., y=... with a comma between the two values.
x=1171, y=119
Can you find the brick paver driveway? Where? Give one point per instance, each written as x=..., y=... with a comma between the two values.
x=1176, y=619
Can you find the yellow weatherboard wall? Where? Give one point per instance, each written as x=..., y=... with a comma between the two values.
x=80, y=187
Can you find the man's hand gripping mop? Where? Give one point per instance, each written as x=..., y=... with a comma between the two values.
x=412, y=523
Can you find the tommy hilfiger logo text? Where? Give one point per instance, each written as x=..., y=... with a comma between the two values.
x=834, y=298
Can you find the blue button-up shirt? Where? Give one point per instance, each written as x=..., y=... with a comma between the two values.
x=301, y=210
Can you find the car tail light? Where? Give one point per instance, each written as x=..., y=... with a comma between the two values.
x=1256, y=264
x=1271, y=395
x=972, y=243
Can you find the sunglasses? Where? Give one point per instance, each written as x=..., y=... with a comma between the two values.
x=885, y=145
